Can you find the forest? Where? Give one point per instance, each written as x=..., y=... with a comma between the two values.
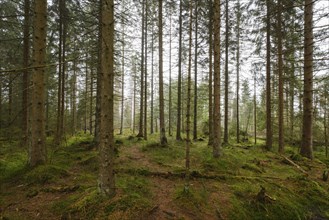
x=164, y=109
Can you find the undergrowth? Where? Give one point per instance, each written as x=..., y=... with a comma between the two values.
x=246, y=168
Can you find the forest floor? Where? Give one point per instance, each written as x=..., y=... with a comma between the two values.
x=247, y=182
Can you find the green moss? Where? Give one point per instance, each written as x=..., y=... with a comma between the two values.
x=136, y=198
x=45, y=174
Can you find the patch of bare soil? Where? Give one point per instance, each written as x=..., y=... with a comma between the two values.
x=22, y=202
x=138, y=159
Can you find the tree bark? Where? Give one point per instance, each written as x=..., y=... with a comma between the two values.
x=210, y=81
x=268, y=78
x=122, y=76
x=170, y=93
x=217, y=115
x=91, y=98
x=163, y=139
x=26, y=56
x=280, y=69
x=74, y=87
x=238, y=75
x=141, y=105
x=106, y=180
x=145, y=89
x=188, y=105
x=37, y=152
x=255, y=109
x=99, y=63
x=152, y=82
x=226, y=73
x=307, y=136
x=179, y=87
x=64, y=18
x=195, y=115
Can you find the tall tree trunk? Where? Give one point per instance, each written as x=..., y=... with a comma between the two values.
x=134, y=96
x=292, y=98
x=170, y=94
x=195, y=115
x=152, y=76
x=98, y=83
x=268, y=78
x=91, y=98
x=325, y=121
x=238, y=74
x=179, y=87
x=210, y=83
x=280, y=69
x=86, y=99
x=1, y=103
x=122, y=76
x=307, y=138
x=145, y=89
x=255, y=110
x=37, y=152
x=106, y=180
x=188, y=105
x=217, y=116
x=141, y=105
x=26, y=54
x=163, y=139
x=64, y=18
x=74, y=87
x=60, y=63
x=58, y=137
x=226, y=73
x=10, y=98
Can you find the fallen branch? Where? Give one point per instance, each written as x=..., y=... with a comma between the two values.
x=263, y=197
x=294, y=164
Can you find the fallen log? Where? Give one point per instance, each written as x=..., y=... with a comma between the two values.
x=294, y=164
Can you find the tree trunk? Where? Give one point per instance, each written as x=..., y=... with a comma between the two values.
x=37, y=152
x=170, y=96
x=226, y=73
x=64, y=18
x=1, y=103
x=152, y=77
x=325, y=106
x=141, y=105
x=86, y=99
x=188, y=105
x=74, y=87
x=26, y=54
x=217, y=116
x=255, y=110
x=122, y=76
x=268, y=78
x=280, y=66
x=134, y=104
x=307, y=138
x=163, y=139
x=292, y=98
x=179, y=87
x=238, y=75
x=91, y=98
x=145, y=89
x=106, y=180
x=99, y=63
x=195, y=115
x=210, y=83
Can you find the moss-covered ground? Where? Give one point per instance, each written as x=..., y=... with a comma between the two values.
x=151, y=182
